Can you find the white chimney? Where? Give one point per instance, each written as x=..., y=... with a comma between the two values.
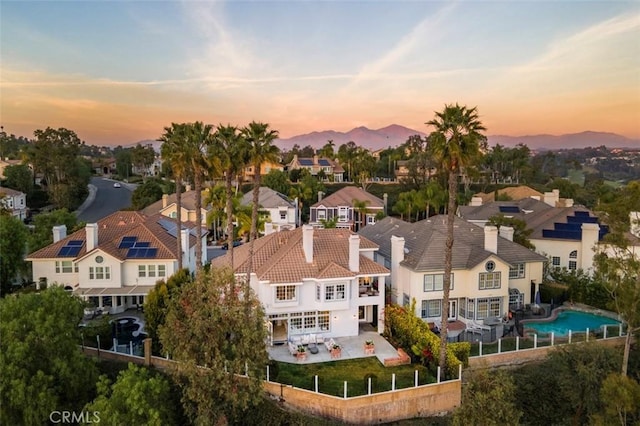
x=506, y=232
x=354, y=253
x=475, y=201
x=184, y=239
x=568, y=202
x=320, y=195
x=588, y=244
x=59, y=233
x=397, y=251
x=634, y=219
x=307, y=242
x=551, y=198
x=268, y=228
x=385, y=200
x=491, y=239
x=92, y=236
x=165, y=201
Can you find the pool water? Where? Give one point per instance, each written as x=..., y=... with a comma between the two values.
x=574, y=321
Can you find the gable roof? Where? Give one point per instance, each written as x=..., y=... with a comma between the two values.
x=347, y=195
x=10, y=192
x=279, y=257
x=188, y=201
x=268, y=199
x=154, y=229
x=425, y=243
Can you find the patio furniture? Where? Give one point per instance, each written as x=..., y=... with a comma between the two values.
x=330, y=344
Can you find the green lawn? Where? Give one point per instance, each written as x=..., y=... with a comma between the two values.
x=332, y=375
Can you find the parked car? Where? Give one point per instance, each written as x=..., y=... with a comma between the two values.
x=225, y=246
x=116, y=185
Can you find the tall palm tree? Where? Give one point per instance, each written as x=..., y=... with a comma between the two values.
x=456, y=144
x=361, y=208
x=174, y=155
x=198, y=136
x=215, y=197
x=261, y=149
x=229, y=148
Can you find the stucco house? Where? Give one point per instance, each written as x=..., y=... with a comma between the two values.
x=14, y=201
x=340, y=204
x=316, y=164
x=490, y=272
x=265, y=168
x=115, y=262
x=168, y=207
x=314, y=281
x=283, y=212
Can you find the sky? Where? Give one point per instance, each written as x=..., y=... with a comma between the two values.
x=117, y=72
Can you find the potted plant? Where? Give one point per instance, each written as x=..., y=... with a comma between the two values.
x=369, y=347
x=336, y=352
x=302, y=352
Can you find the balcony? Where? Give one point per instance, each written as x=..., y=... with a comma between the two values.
x=368, y=286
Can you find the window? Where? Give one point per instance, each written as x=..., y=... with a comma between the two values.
x=173, y=215
x=387, y=263
x=309, y=321
x=489, y=308
x=305, y=322
x=285, y=293
x=489, y=280
x=162, y=271
x=318, y=292
x=99, y=272
x=321, y=213
x=431, y=308
x=490, y=266
x=555, y=261
x=151, y=271
x=335, y=292
x=99, y=259
x=142, y=271
x=283, y=215
x=435, y=282
x=573, y=254
x=517, y=271
x=343, y=213
x=323, y=320
x=65, y=267
x=573, y=264
x=515, y=297
x=471, y=308
x=406, y=301
x=371, y=219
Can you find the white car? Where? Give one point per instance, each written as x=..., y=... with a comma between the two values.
x=116, y=185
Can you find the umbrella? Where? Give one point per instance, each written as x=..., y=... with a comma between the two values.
x=538, y=297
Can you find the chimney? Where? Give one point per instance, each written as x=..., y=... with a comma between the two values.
x=506, y=232
x=92, y=236
x=184, y=238
x=491, y=239
x=475, y=201
x=315, y=160
x=165, y=201
x=385, y=200
x=568, y=202
x=320, y=195
x=551, y=198
x=268, y=228
x=59, y=233
x=307, y=242
x=397, y=251
x=588, y=244
x=354, y=253
x=634, y=220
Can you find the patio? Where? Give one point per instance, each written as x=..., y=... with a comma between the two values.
x=351, y=347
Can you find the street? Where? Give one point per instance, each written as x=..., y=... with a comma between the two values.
x=107, y=200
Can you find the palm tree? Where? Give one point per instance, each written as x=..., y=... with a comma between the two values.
x=215, y=197
x=361, y=208
x=174, y=155
x=455, y=144
x=198, y=137
x=230, y=149
x=261, y=149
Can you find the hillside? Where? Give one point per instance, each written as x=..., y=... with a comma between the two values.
x=568, y=141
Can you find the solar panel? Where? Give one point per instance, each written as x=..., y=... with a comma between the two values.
x=581, y=214
x=139, y=244
x=69, y=251
x=323, y=162
x=142, y=253
x=167, y=224
x=127, y=242
x=305, y=162
x=509, y=209
x=75, y=243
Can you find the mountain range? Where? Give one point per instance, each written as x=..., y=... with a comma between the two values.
x=394, y=135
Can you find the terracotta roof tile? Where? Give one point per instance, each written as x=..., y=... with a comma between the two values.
x=347, y=195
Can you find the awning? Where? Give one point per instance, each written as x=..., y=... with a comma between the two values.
x=134, y=290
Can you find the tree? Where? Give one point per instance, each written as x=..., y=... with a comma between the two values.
x=146, y=194
x=198, y=137
x=220, y=350
x=142, y=157
x=620, y=396
x=277, y=180
x=327, y=150
x=215, y=198
x=41, y=366
x=13, y=244
x=347, y=154
x=361, y=208
x=520, y=232
x=175, y=157
x=455, y=144
x=19, y=177
x=231, y=149
x=158, y=300
x=261, y=149
x=488, y=398
x=618, y=265
x=124, y=163
x=42, y=234
x=139, y=396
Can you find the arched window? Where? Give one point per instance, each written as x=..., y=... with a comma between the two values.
x=573, y=264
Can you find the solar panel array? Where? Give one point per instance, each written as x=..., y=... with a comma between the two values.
x=69, y=251
x=324, y=162
x=142, y=253
x=509, y=209
x=127, y=242
x=572, y=230
x=305, y=161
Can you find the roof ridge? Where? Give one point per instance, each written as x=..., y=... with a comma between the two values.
x=280, y=252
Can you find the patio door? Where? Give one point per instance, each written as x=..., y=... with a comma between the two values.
x=453, y=310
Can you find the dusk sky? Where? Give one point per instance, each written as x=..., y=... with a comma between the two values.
x=117, y=72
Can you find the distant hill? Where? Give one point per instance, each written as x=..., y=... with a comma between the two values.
x=385, y=137
x=568, y=141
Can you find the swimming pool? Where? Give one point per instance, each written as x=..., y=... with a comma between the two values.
x=576, y=321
